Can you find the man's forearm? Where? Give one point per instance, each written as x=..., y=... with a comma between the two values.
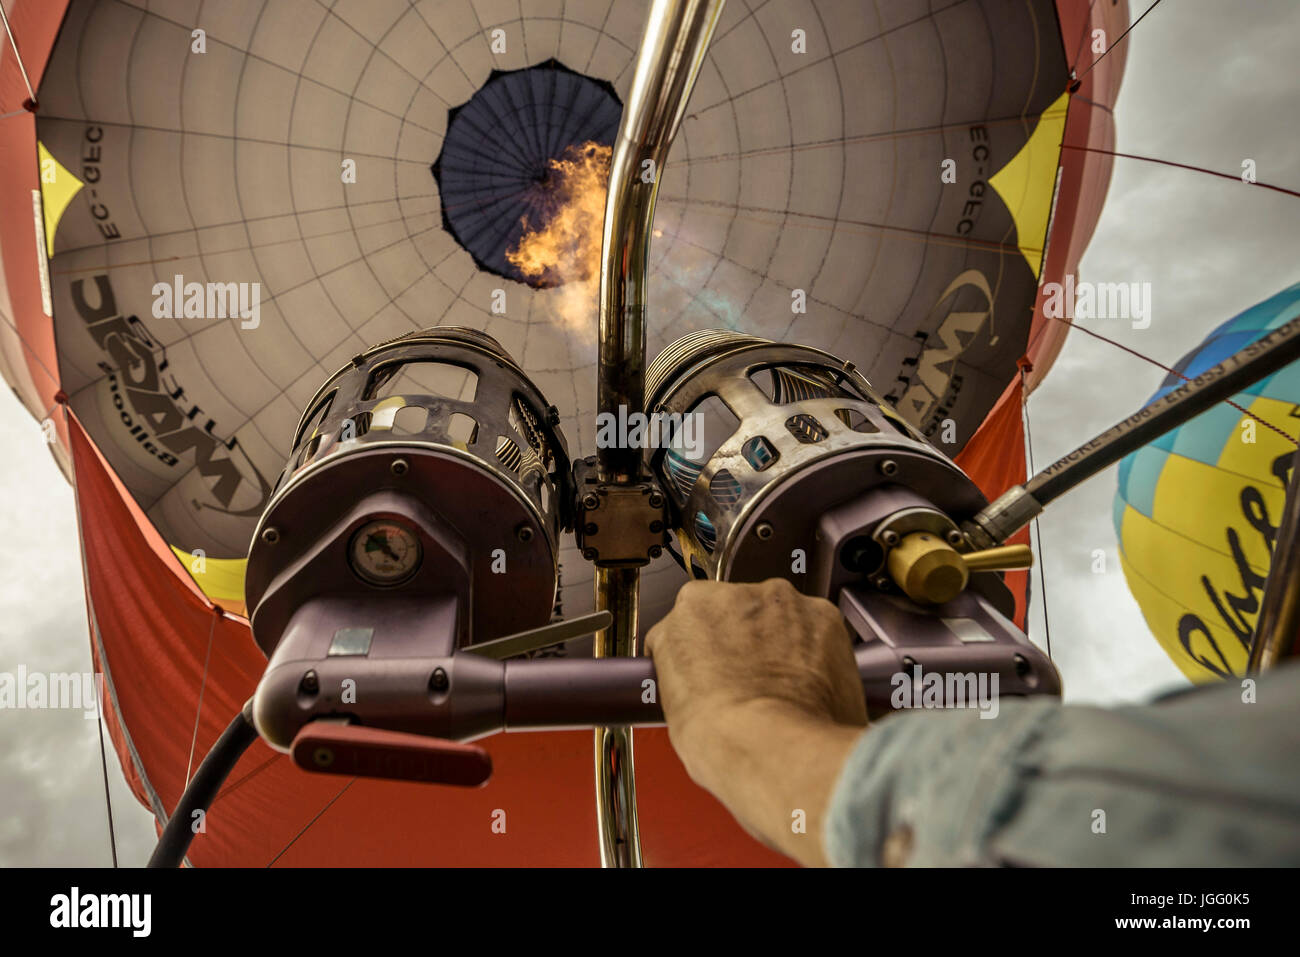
x=774, y=767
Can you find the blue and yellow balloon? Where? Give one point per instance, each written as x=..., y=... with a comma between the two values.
x=1197, y=510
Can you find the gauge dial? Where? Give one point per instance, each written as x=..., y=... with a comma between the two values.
x=385, y=552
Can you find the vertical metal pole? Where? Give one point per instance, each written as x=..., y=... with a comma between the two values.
x=677, y=35
x=1279, y=610
x=620, y=836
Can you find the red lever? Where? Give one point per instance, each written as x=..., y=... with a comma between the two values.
x=336, y=748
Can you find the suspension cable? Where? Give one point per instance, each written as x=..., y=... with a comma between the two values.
x=19, y=57
x=103, y=764
x=1038, y=530
x=1078, y=80
x=203, y=684
x=1187, y=166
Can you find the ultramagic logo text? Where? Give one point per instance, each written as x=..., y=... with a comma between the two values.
x=154, y=406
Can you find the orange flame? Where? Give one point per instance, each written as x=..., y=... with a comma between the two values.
x=563, y=249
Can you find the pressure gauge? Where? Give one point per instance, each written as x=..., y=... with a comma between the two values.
x=385, y=552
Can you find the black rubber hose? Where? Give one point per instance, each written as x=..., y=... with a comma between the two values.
x=1262, y=357
x=203, y=787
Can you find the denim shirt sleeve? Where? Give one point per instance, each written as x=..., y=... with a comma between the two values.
x=1202, y=778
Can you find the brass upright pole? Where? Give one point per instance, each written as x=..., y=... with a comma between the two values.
x=620, y=837
x=677, y=35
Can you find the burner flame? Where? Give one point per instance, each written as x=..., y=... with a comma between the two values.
x=560, y=245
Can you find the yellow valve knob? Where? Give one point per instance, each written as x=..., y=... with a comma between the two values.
x=931, y=572
x=927, y=568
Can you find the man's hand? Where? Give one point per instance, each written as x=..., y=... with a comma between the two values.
x=763, y=702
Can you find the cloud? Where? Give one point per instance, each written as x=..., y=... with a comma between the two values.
x=1207, y=84
x=52, y=809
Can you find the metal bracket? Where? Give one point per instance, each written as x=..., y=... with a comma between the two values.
x=618, y=525
x=905, y=521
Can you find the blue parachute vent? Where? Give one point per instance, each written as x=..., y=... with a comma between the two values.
x=494, y=170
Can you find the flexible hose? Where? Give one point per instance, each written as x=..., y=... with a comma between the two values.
x=1262, y=357
x=203, y=787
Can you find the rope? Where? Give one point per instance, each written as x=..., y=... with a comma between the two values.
x=203, y=684
x=1195, y=169
x=308, y=825
x=31, y=94
x=103, y=764
x=1078, y=80
x=1160, y=365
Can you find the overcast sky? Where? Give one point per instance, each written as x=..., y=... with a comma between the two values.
x=1208, y=82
